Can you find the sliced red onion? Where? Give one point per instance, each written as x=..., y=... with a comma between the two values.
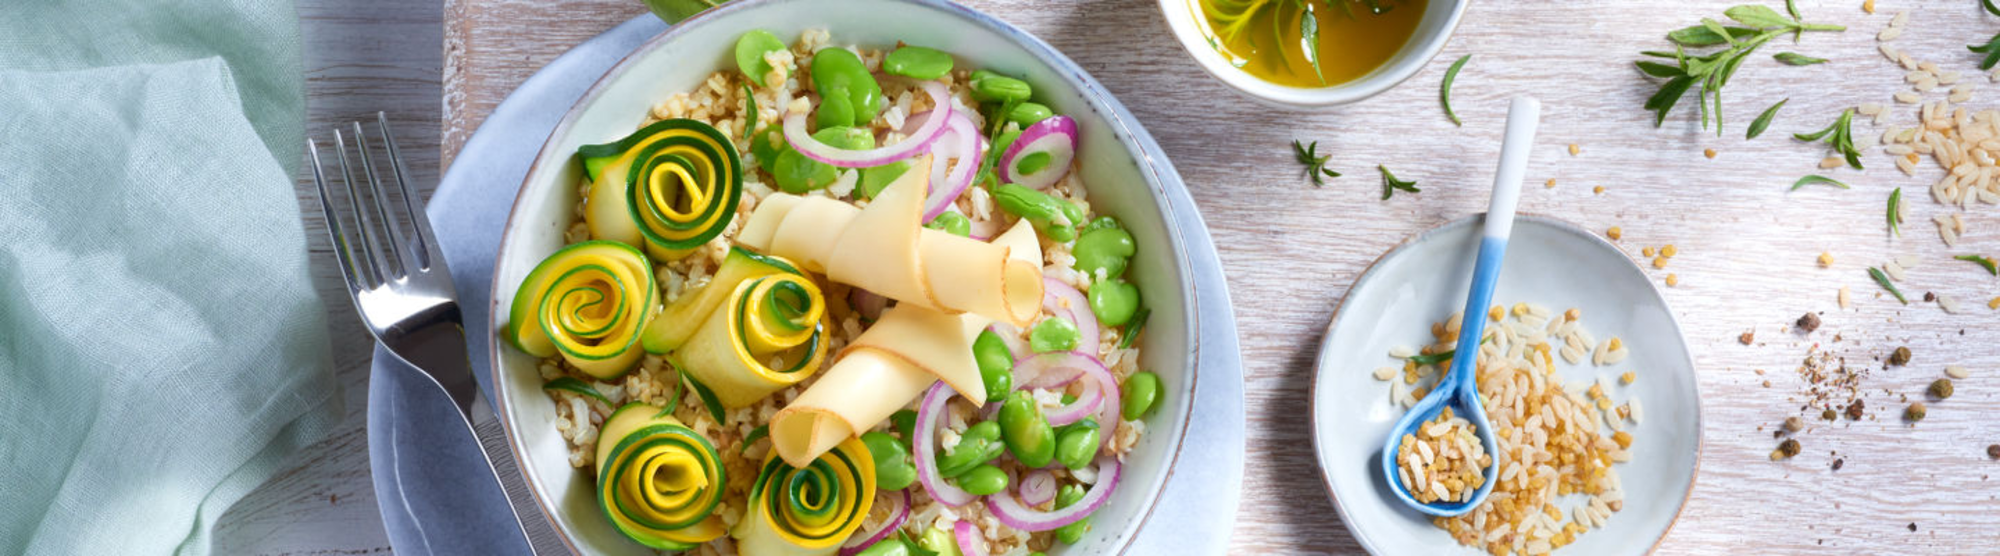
x=917, y=143
x=1064, y=301
x=900, y=516
x=1089, y=402
x=1055, y=136
x=970, y=541
x=867, y=304
x=1012, y=512
x=960, y=141
x=1100, y=395
x=1038, y=488
x=930, y=415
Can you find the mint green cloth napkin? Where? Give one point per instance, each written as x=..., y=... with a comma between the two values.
x=161, y=347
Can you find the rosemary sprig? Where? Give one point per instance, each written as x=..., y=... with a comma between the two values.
x=1308, y=155
x=1712, y=71
x=1444, y=91
x=1983, y=262
x=1390, y=184
x=1816, y=178
x=1433, y=358
x=1896, y=212
x=1797, y=59
x=1883, y=280
x=1763, y=120
x=1840, y=135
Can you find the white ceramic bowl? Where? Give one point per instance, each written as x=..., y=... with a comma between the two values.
x=1550, y=263
x=1120, y=179
x=1441, y=17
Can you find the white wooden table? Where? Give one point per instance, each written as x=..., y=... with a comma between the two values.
x=1747, y=247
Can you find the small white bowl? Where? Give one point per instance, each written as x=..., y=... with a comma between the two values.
x=1433, y=31
x=1550, y=263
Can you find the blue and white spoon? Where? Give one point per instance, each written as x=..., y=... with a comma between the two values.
x=1460, y=387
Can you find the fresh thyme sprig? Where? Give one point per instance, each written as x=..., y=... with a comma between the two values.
x=1759, y=24
x=1840, y=135
x=1390, y=185
x=1308, y=155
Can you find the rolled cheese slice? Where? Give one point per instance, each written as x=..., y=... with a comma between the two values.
x=885, y=249
x=887, y=367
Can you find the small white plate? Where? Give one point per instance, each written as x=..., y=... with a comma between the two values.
x=1550, y=263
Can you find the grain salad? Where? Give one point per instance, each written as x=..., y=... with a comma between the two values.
x=752, y=328
x=1559, y=440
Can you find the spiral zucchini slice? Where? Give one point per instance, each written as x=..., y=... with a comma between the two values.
x=808, y=511
x=766, y=337
x=658, y=480
x=587, y=302
x=669, y=187
x=680, y=319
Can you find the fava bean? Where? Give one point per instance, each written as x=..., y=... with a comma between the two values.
x=939, y=541
x=905, y=423
x=1113, y=301
x=1027, y=113
x=1053, y=334
x=796, y=174
x=1026, y=432
x=983, y=480
x=876, y=178
x=979, y=444
x=1141, y=392
x=1078, y=444
x=887, y=547
x=842, y=79
x=1104, y=249
x=996, y=364
x=992, y=87
x=1069, y=534
x=893, y=470
x=1053, y=217
x=1100, y=223
x=1033, y=162
x=750, y=51
x=952, y=223
x=917, y=62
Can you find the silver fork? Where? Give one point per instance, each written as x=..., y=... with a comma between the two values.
x=404, y=294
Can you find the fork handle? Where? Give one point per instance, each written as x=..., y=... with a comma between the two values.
x=486, y=427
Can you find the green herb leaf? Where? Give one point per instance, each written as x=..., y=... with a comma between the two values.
x=1702, y=35
x=1433, y=358
x=1991, y=50
x=1983, y=262
x=1883, y=280
x=1138, y=325
x=1990, y=7
x=1309, y=30
x=1792, y=7
x=1895, y=211
x=1796, y=59
x=1308, y=155
x=1816, y=178
x=1840, y=135
x=1714, y=69
x=673, y=11
x=571, y=384
x=1444, y=91
x=1763, y=120
x=749, y=112
x=707, y=397
x=755, y=435
x=1758, y=16
x=1657, y=69
x=674, y=400
x=1390, y=184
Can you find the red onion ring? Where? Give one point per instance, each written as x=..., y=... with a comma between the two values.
x=902, y=515
x=930, y=414
x=970, y=541
x=1012, y=337
x=1056, y=136
x=1064, y=301
x=961, y=141
x=920, y=140
x=1038, y=488
x=1012, y=512
x=1100, y=393
x=1090, y=401
x=867, y=304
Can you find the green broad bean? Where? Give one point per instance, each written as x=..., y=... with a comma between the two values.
x=1027, y=113
x=1077, y=445
x=979, y=444
x=983, y=480
x=1006, y=139
x=1069, y=534
x=939, y=541
x=750, y=51
x=1100, y=223
x=1051, y=216
x=875, y=179
x=796, y=174
x=766, y=145
x=1114, y=301
x=1140, y=393
x=1032, y=162
x=905, y=423
x=893, y=470
x=952, y=223
x=1027, y=434
x=841, y=78
x=1053, y=334
x=887, y=547
x=996, y=363
x=992, y=87
x=1108, y=250
x=917, y=62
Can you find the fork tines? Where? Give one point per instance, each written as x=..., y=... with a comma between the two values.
x=384, y=249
